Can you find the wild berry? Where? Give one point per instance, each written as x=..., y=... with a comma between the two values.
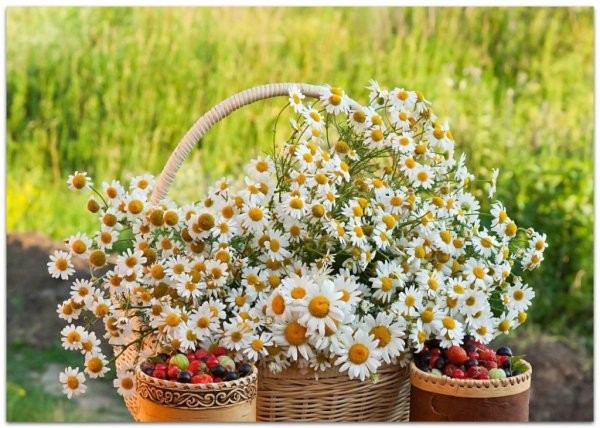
x=218, y=371
x=184, y=377
x=470, y=363
x=440, y=363
x=244, y=369
x=456, y=355
x=458, y=374
x=504, y=350
x=231, y=376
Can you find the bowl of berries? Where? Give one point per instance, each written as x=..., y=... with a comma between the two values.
x=471, y=382
x=199, y=386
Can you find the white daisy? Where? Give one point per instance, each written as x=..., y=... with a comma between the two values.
x=79, y=181
x=131, y=262
x=295, y=98
x=358, y=355
x=322, y=306
x=60, y=265
x=73, y=382
x=68, y=311
x=125, y=383
x=258, y=346
x=71, y=337
x=292, y=337
x=389, y=332
x=96, y=365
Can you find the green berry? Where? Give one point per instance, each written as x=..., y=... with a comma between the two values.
x=436, y=372
x=180, y=361
x=497, y=374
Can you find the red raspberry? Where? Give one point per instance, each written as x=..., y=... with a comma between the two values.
x=458, y=374
x=472, y=372
x=449, y=369
x=191, y=356
x=456, y=355
x=483, y=374
x=220, y=351
x=201, y=353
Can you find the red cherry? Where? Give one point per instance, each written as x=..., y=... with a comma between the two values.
x=173, y=372
x=201, y=353
x=432, y=361
x=435, y=351
x=160, y=366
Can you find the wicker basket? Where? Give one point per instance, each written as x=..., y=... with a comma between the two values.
x=166, y=401
x=294, y=395
x=348, y=400
x=440, y=398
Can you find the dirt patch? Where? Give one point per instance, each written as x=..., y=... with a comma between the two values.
x=562, y=387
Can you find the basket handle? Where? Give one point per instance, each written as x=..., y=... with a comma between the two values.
x=214, y=115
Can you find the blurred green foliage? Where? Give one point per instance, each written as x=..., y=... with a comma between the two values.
x=112, y=90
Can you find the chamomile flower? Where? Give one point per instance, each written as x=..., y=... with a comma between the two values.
x=254, y=218
x=295, y=99
x=484, y=243
x=73, y=382
x=142, y=183
x=204, y=321
x=71, y=337
x=258, y=346
x=125, y=383
x=79, y=181
x=131, y=262
x=68, y=310
x=477, y=273
x=187, y=288
x=358, y=355
x=60, y=265
x=356, y=233
x=400, y=98
x=96, y=365
x=335, y=100
x=106, y=238
x=388, y=277
x=292, y=337
x=90, y=344
x=450, y=332
x=321, y=307
x=520, y=296
x=409, y=303
x=349, y=287
x=388, y=332
x=313, y=118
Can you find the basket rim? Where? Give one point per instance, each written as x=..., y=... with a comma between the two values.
x=196, y=387
x=474, y=388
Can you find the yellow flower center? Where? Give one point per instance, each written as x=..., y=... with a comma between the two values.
x=432, y=284
x=203, y=322
x=359, y=232
x=446, y=236
x=479, y=272
x=295, y=334
x=78, y=246
x=319, y=306
x=502, y=216
x=482, y=330
x=72, y=382
x=383, y=334
x=410, y=163
x=236, y=336
x=135, y=206
x=95, y=365
x=73, y=337
x=504, y=326
x=206, y=221
x=257, y=344
x=402, y=95
x=126, y=383
x=419, y=252
x=402, y=116
x=318, y=210
x=511, y=229
x=410, y=300
x=427, y=316
x=172, y=320
x=358, y=353
x=278, y=305
x=97, y=258
x=389, y=221
x=101, y=310
x=376, y=135
x=422, y=176
x=522, y=317
x=438, y=133
x=61, y=264
x=240, y=300
x=359, y=116
x=449, y=323
x=315, y=116
x=386, y=283
x=396, y=201
x=255, y=214
x=486, y=242
x=540, y=245
x=78, y=181
x=518, y=295
x=335, y=99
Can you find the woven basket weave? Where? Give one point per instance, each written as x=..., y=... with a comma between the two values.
x=289, y=397
x=296, y=396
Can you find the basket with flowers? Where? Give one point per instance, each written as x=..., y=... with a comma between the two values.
x=339, y=254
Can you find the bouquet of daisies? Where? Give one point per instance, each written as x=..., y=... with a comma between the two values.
x=347, y=247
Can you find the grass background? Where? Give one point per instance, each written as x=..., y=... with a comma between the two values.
x=112, y=90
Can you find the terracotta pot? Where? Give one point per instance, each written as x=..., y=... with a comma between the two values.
x=440, y=398
x=165, y=401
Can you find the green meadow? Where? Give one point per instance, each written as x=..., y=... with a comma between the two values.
x=111, y=91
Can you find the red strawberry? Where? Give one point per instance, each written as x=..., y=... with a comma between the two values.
x=194, y=366
x=456, y=355
x=449, y=369
x=458, y=374
x=501, y=359
x=489, y=364
x=212, y=361
x=202, y=378
x=487, y=354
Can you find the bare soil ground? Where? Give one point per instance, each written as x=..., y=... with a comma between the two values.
x=562, y=387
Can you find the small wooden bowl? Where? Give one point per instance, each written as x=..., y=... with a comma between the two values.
x=166, y=401
x=441, y=398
